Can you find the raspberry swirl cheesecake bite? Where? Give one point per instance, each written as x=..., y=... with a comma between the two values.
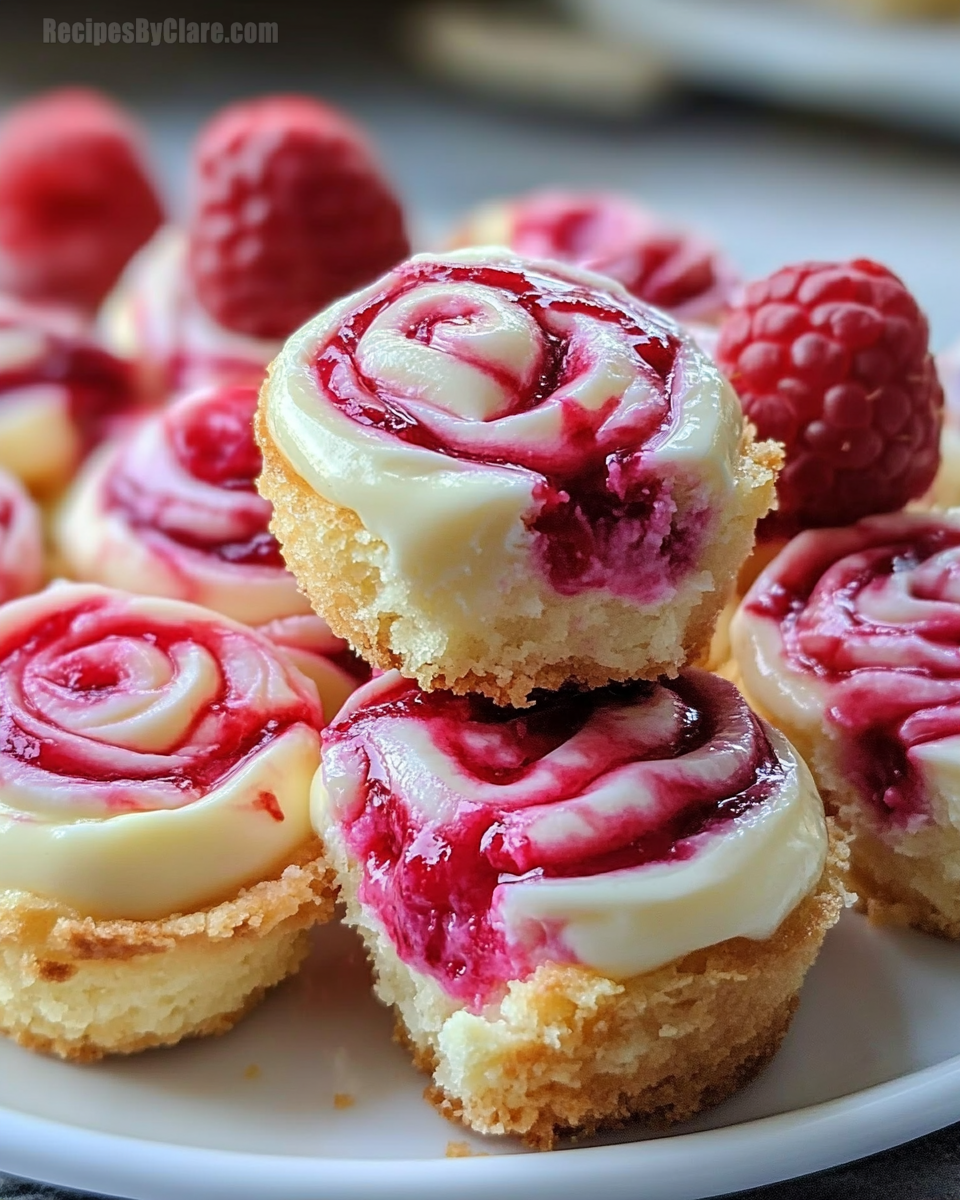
x=76, y=198
x=850, y=642
x=676, y=270
x=21, y=541
x=158, y=870
x=61, y=393
x=173, y=510
x=499, y=474
x=595, y=909
x=289, y=211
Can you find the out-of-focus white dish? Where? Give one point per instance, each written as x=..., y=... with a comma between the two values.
x=797, y=52
x=873, y=1059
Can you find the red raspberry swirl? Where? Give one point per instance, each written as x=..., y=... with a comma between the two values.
x=871, y=615
x=606, y=512
x=111, y=703
x=675, y=270
x=47, y=347
x=449, y=802
x=190, y=479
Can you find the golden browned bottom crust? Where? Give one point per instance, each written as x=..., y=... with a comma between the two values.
x=671, y=1100
x=569, y=1051
x=81, y=988
x=339, y=566
x=876, y=875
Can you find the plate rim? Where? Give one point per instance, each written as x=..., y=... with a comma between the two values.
x=675, y=1166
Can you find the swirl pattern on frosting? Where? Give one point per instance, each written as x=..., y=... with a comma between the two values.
x=173, y=510
x=153, y=755
x=21, y=541
x=538, y=394
x=619, y=828
x=60, y=392
x=859, y=628
x=675, y=270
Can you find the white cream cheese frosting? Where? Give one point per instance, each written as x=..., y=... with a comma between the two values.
x=59, y=393
x=619, y=830
x=508, y=397
x=850, y=640
x=155, y=756
x=171, y=510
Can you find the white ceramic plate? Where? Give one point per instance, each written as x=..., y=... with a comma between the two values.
x=873, y=1059
x=799, y=53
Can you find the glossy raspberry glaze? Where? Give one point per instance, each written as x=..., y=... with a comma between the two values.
x=675, y=271
x=214, y=443
x=879, y=624
x=98, y=387
x=433, y=882
x=605, y=518
x=86, y=656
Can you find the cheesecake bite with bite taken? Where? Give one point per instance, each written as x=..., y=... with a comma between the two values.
x=158, y=870
x=591, y=910
x=499, y=474
x=172, y=510
x=850, y=643
x=289, y=211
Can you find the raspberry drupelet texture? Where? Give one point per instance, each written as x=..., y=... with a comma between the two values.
x=290, y=212
x=833, y=360
x=76, y=200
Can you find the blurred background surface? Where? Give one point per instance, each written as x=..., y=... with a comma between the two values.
x=788, y=129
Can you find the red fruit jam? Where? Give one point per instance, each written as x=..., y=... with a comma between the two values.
x=606, y=515
x=442, y=830
x=98, y=388
x=89, y=652
x=873, y=611
x=213, y=442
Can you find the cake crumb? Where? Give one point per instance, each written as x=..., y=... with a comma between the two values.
x=344, y=1100
x=252, y=1072
x=464, y=1150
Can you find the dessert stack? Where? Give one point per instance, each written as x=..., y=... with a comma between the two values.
x=589, y=877
x=505, y=496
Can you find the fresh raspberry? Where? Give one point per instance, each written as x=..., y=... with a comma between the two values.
x=290, y=213
x=76, y=201
x=832, y=359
